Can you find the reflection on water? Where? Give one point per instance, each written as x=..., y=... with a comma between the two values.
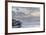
x=25, y=17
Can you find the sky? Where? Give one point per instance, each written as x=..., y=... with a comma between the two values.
x=29, y=11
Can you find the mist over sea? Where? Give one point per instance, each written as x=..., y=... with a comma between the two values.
x=28, y=16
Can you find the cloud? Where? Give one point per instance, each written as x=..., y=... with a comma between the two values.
x=26, y=11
